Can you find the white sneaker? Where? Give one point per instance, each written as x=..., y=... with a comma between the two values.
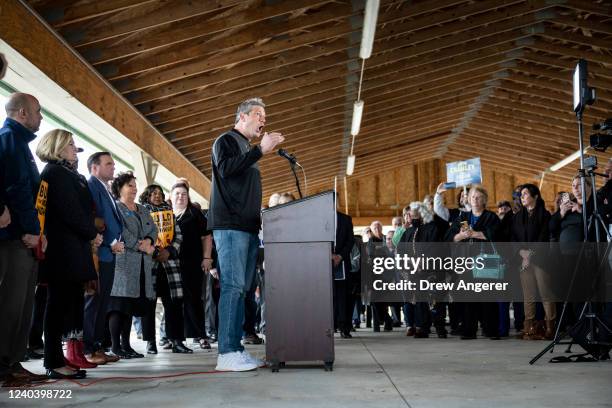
x=257, y=361
x=234, y=361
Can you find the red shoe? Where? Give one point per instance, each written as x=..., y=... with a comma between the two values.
x=74, y=357
x=69, y=364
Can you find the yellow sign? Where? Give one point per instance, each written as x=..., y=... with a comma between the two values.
x=41, y=204
x=165, y=227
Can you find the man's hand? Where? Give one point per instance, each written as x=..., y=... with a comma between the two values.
x=269, y=141
x=5, y=218
x=118, y=248
x=336, y=259
x=30, y=241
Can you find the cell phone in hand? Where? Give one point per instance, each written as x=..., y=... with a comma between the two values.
x=565, y=197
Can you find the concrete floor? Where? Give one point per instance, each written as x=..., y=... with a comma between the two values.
x=382, y=370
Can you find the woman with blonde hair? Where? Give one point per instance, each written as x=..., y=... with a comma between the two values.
x=477, y=225
x=68, y=264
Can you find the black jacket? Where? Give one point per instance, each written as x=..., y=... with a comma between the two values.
x=235, y=197
x=344, y=243
x=488, y=223
x=20, y=180
x=425, y=233
x=531, y=228
x=69, y=226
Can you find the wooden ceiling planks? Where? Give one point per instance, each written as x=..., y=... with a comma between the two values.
x=484, y=77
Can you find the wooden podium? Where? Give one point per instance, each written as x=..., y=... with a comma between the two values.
x=298, y=238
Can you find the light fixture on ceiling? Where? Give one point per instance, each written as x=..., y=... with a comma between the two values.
x=369, y=28
x=566, y=161
x=357, y=113
x=350, y=164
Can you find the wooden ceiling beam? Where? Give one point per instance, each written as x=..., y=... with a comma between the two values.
x=589, y=6
x=371, y=122
x=604, y=97
x=141, y=18
x=322, y=105
x=191, y=103
x=408, y=75
x=526, y=14
x=60, y=15
x=189, y=136
x=536, y=143
x=304, y=30
x=576, y=38
x=258, y=70
x=548, y=60
x=585, y=24
x=78, y=79
x=192, y=62
x=516, y=85
x=196, y=28
x=520, y=136
x=590, y=55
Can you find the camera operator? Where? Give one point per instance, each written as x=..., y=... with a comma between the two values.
x=604, y=194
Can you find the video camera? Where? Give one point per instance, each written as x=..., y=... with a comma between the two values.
x=601, y=140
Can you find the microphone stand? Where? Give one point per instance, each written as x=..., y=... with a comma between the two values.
x=297, y=180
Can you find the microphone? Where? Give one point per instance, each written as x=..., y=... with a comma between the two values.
x=288, y=156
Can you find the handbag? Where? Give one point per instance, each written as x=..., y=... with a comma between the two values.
x=494, y=266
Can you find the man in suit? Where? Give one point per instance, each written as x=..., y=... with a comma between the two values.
x=102, y=170
x=341, y=262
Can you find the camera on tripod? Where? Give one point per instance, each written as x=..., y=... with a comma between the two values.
x=601, y=140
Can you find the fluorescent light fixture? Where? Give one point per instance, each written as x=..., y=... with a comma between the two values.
x=350, y=165
x=369, y=28
x=566, y=161
x=357, y=113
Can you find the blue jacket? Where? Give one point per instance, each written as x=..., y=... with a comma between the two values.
x=106, y=210
x=20, y=179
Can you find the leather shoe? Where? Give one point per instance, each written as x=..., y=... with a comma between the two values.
x=108, y=358
x=54, y=375
x=151, y=347
x=179, y=347
x=346, y=335
x=32, y=354
x=120, y=354
x=410, y=331
x=133, y=353
x=95, y=358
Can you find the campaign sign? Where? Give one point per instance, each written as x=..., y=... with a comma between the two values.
x=464, y=172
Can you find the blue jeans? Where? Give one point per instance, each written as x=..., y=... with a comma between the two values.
x=237, y=257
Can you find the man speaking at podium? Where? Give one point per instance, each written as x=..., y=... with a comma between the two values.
x=234, y=217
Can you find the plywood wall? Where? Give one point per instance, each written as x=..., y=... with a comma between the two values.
x=383, y=195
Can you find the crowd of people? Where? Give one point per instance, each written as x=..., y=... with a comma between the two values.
x=525, y=220
x=82, y=259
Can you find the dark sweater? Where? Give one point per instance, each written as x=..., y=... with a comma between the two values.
x=20, y=179
x=235, y=197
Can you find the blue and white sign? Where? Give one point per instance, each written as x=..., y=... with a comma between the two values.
x=464, y=172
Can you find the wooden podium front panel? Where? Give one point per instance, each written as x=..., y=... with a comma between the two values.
x=299, y=305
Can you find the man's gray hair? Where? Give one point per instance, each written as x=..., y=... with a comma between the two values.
x=426, y=215
x=246, y=106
